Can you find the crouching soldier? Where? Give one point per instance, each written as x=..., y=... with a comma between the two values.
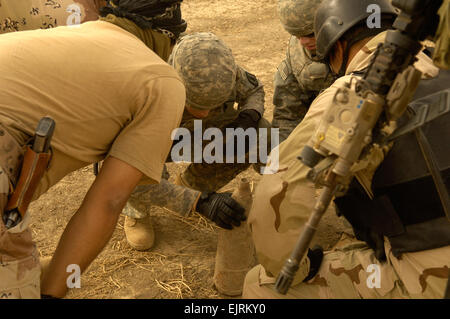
x=396, y=209
x=214, y=84
x=116, y=100
x=302, y=75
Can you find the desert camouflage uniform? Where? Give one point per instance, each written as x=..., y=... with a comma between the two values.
x=298, y=81
x=19, y=258
x=248, y=93
x=20, y=15
x=442, y=52
x=282, y=205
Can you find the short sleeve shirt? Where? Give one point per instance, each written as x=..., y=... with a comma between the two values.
x=107, y=92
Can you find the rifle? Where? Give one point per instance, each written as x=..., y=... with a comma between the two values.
x=364, y=113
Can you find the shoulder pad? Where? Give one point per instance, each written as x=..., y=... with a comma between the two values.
x=252, y=79
x=318, y=70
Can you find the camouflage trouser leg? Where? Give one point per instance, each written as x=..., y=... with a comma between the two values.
x=281, y=207
x=136, y=206
x=19, y=262
x=178, y=199
x=351, y=270
x=206, y=177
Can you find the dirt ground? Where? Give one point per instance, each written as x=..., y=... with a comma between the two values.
x=181, y=264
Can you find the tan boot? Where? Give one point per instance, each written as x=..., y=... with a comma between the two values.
x=139, y=233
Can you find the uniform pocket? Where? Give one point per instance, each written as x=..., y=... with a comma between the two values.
x=20, y=279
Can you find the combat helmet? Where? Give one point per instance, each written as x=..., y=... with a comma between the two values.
x=335, y=17
x=207, y=68
x=297, y=16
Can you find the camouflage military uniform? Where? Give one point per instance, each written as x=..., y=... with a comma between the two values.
x=282, y=205
x=442, y=53
x=248, y=93
x=43, y=14
x=298, y=81
x=20, y=266
x=301, y=76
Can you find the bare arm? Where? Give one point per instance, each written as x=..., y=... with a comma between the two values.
x=91, y=227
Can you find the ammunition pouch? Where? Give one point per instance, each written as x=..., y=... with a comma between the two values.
x=407, y=208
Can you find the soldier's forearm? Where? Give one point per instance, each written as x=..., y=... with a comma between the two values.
x=255, y=101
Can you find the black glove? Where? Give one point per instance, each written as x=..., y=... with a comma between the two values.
x=315, y=256
x=221, y=209
x=246, y=119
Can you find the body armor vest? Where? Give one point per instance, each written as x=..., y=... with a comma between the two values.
x=409, y=207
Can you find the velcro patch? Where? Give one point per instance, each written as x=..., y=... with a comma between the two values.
x=283, y=70
x=252, y=79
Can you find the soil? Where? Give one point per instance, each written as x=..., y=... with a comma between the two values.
x=181, y=264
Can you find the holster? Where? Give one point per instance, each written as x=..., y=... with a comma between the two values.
x=33, y=167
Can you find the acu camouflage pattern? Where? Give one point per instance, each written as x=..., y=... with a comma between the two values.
x=165, y=194
x=247, y=93
x=297, y=16
x=298, y=81
x=20, y=15
x=207, y=67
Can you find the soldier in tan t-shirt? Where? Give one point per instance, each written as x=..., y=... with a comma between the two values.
x=112, y=99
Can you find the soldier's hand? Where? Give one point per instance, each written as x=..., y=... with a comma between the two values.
x=221, y=209
x=246, y=119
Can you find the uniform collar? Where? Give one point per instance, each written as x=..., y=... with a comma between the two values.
x=363, y=58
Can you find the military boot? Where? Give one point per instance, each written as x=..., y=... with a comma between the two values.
x=139, y=232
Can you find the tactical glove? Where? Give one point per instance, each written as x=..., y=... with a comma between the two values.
x=315, y=256
x=221, y=209
x=246, y=119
